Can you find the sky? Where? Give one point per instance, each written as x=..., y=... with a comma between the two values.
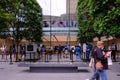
x=57, y=8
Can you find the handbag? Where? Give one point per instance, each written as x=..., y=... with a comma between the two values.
x=99, y=65
x=91, y=63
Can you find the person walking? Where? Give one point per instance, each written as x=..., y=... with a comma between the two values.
x=101, y=56
x=92, y=65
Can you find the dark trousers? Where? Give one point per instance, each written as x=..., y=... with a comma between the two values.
x=39, y=55
x=113, y=55
x=59, y=54
x=87, y=55
x=95, y=76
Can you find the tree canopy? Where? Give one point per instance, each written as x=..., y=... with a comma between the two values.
x=33, y=20
x=98, y=18
x=5, y=15
x=24, y=17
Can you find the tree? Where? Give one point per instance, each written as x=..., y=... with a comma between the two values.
x=33, y=18
x=24, y=17
x=28, y=24
x=103, y=16
x=86, y=31
x=106, y=17
x=5, y=16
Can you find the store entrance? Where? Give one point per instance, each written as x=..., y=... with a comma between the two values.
x=59, y=49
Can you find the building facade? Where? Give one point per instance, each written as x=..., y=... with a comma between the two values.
x=71, y=6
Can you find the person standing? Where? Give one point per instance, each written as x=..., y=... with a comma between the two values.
x=59, y=51
x=3, y=50
x=84, y=51
x=77, y=53
x=23, y=52
x=43, y=50
x=72, y=52
x=51, y=52
x=65, y=51
x=88, y=52
x=38, y=51
x=113, y=52
x=14, y=51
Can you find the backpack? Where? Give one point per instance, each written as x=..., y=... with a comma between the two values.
x=43, y=49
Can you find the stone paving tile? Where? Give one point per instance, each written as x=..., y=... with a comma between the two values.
x=13, y=72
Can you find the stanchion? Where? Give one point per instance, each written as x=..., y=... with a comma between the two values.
x=30, y=56
x=71, y=57
x=47, y=57
x=10, y=54
x=58, y=56
x=11, y=58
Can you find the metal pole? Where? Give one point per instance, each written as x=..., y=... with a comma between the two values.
x=50, y=26
x=11, y=54
x=71, y=56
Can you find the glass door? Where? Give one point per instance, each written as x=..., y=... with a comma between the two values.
x=59, y=30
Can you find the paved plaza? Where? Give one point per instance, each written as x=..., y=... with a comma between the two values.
x=13, y=72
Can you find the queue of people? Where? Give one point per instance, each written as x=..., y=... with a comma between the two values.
x=12, y=52
x=62, y=51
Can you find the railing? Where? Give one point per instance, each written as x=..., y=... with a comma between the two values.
x=49, y=56
x=58, y=30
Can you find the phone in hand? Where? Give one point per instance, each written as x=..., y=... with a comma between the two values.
x=108, y=53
